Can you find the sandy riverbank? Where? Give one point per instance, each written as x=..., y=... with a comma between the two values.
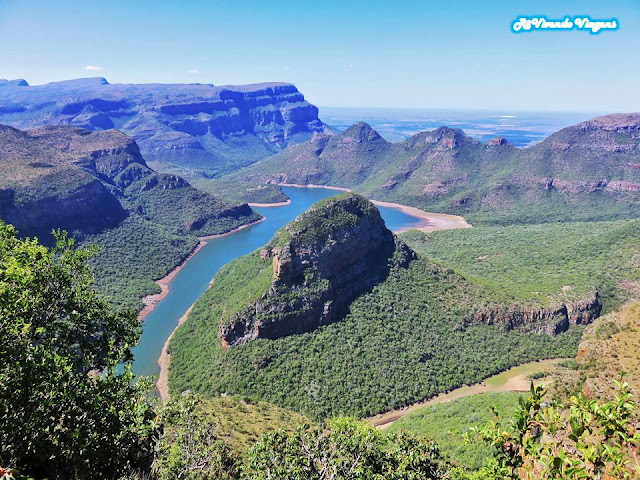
x=277, y=204
x=150, y=300
x=513, y=380
x=430, y=221
x=162, y=385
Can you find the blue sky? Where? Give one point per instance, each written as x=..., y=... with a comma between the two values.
x=396, y=53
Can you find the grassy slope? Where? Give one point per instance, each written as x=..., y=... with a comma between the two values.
x=610, y=346
x=240, y=421
x=532, y=263
x=446, y=423
x=399, y=344
x=238, y=283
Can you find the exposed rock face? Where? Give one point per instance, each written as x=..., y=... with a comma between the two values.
x=187, y=125
x=552, y=320
x=82, y=181
x=497, y=141
x=333, y=253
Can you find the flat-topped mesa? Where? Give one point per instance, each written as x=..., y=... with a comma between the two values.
x=183, y=124
x=333, y=253
x=614, y=121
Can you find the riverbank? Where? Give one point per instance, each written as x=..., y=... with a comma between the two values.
x=162, y=385
x=513, y=380
x=269, y=205
x=150, y=301
x=430, y=221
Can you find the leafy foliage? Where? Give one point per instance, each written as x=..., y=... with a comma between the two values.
x=190, y=447
x=344, y=449
x=56, y=419
x=583, y=439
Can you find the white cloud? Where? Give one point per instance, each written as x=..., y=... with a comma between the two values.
x=194, y=71
x=93, y=68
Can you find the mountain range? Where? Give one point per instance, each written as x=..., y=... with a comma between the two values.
x=589, y=171
x=204, y=127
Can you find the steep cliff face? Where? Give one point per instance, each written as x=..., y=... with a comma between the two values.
x=552, y=320
x=82, y=181
x=333, y=253
x=212, y=128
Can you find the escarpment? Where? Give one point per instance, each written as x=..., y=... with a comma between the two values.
x=550, y=320
x=212, y=128
x=589, y=171
x=320, y=263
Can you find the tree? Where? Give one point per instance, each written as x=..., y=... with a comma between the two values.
x=344, y=450
x=65, y=412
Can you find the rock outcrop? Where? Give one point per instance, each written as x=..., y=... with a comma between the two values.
x=214, y=128
x=551, y=320
x=336, y=251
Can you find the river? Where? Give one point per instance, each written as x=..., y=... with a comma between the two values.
x=193, y=279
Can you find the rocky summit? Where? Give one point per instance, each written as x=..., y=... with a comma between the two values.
x=206, y=127
x=334, y=252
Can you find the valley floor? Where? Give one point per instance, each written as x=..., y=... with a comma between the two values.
x=515, y=379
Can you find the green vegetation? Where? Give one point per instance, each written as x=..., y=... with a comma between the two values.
x=580, y=439
x=445, y=170
x=232, y=191
x=608, y=346
x=58, y=418
x=326, y=217
x=145, y=223
x=577, y=440
x=192, y=448
x=448, y=423
x=221, y=430
x=238, y=283
x=540, y=264
x=132, y=255
x=403, y=342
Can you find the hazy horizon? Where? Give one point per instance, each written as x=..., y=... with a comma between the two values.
x=374, y=54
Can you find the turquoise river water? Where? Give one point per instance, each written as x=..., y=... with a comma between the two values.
x=193, y=279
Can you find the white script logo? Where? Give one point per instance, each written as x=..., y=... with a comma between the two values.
x=529, y=24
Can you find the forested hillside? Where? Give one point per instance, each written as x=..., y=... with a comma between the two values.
x=97, y=186
x=590, y=171
x=416, y=333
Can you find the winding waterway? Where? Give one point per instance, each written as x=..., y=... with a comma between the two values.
x=193, y=279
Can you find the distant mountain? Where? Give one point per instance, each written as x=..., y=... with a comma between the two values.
x=587, y=171
x=98, y=187
x=189, y=126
